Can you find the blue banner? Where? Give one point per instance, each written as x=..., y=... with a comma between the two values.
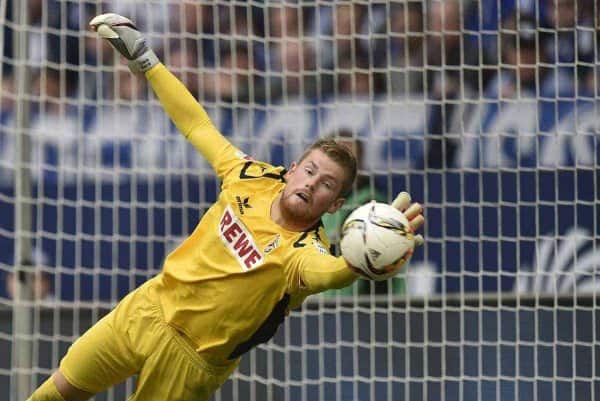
x=516, y=210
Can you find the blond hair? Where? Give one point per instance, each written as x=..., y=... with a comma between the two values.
x=341, y=155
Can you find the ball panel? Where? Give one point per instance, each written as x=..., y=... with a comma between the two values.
x=377, y=239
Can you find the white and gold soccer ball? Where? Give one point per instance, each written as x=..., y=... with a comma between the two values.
x=377, y=240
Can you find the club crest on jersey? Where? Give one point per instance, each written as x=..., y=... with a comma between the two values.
x=320, y=247
x=238, y=240
x=272, y=245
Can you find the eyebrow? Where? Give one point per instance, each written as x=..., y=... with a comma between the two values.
x=316, y=167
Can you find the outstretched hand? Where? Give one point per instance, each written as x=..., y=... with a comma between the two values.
x=123, y=35
x=396, y=223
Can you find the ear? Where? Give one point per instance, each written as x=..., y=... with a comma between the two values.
x=336, y=205
x=292, y=168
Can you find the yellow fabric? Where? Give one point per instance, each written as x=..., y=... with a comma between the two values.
x=134, y=338
x=46, y=392
x=179, y=330
x=224, y=280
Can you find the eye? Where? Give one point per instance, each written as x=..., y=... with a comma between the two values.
x=328, y=184
x=308, y=171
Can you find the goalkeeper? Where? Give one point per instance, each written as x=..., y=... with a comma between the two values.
x=259, y=251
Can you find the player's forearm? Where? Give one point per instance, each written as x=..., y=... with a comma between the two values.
x=318, y=278
x=178, y=102
x=189, y=116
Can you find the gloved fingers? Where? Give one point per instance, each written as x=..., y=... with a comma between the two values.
x=419, y=240
x=417, y=222
x=413, y=211
x=110, y=20
x=402, y=201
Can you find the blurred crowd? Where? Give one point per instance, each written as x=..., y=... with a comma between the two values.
x=445, y=54
x=257, y=53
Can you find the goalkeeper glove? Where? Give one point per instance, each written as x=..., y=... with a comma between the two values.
x=414, y=215
x=413, y=212
x=123, y=35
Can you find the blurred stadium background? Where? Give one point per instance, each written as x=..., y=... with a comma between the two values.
x=486, y=111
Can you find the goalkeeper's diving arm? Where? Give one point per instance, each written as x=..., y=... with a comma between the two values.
x=189, y=116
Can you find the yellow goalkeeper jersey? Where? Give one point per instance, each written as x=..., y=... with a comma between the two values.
x=229, y=284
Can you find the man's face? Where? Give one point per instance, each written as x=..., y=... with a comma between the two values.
x=313, y=188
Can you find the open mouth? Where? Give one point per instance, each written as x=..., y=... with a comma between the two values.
x=302, y=196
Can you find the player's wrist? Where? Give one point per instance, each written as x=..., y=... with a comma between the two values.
x=124, y=36
x=144, y=62
x=356, y=271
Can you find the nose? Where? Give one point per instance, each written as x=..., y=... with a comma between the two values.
x=311, y=183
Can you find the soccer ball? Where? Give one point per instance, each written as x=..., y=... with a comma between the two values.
x=377, y=240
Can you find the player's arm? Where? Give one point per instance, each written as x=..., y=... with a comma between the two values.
x=188, y=115
x=317, y=273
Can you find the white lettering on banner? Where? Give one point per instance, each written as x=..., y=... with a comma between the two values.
x=556, y=270
x=238, y=240
x=511, y=137
x=396, y=138
x=289, y=124
x=486, y=138
x=574, y=138
x=345, y=114
x=492, y=133
x=293, y=126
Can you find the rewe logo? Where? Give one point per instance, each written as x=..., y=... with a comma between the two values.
x=238, y=240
